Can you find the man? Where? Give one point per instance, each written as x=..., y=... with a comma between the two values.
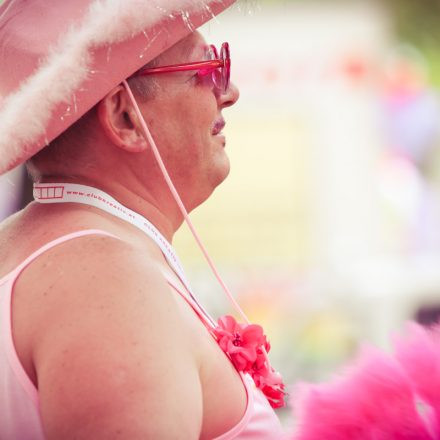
x=108, y=341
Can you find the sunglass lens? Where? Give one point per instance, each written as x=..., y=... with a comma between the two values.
x=226, y=69
x=218, y=79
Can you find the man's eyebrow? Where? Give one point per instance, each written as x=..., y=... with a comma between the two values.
x=206, y=50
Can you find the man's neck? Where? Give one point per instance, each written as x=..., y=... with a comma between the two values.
x=167, y=221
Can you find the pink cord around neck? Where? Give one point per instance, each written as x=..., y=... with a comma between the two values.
x=150, y=140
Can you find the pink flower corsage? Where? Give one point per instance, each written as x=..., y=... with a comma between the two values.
x=247, y=347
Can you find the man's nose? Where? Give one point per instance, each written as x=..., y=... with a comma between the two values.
x=230, y=97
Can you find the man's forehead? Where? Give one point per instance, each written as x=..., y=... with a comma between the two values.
x=191, y=48
x=198, y=46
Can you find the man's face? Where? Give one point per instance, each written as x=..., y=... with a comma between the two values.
x=185, y=118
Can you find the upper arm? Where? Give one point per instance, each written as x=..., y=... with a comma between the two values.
x=113, y=359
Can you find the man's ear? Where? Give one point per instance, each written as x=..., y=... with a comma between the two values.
x=119, y=121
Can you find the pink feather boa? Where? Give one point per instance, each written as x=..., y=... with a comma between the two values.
x=380, y=397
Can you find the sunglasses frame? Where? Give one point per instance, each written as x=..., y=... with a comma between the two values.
x=219, y=68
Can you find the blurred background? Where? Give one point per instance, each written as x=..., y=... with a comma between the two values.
x=328, y=227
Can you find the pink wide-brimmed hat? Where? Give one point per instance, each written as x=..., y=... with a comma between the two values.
x=58, y=58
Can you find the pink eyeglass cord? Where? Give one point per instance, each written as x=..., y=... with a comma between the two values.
x=149, y=138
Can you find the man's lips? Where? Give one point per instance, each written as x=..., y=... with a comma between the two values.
x=219, y=124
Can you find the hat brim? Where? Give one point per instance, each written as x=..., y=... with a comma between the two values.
x=49, y=85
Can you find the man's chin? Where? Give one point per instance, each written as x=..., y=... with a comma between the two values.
x=222, y=171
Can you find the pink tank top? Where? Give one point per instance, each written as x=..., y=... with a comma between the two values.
x=19, y=409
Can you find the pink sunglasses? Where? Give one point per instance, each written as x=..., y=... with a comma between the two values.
x=219, y=67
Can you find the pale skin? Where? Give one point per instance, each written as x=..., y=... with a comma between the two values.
x=114, y=351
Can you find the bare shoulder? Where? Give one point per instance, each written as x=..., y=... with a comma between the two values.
x=110, y=345
x=96, y=272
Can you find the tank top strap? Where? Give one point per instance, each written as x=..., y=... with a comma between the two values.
x=51, y=245
x=247, y=381
x=206, y=320
x=6, y=291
